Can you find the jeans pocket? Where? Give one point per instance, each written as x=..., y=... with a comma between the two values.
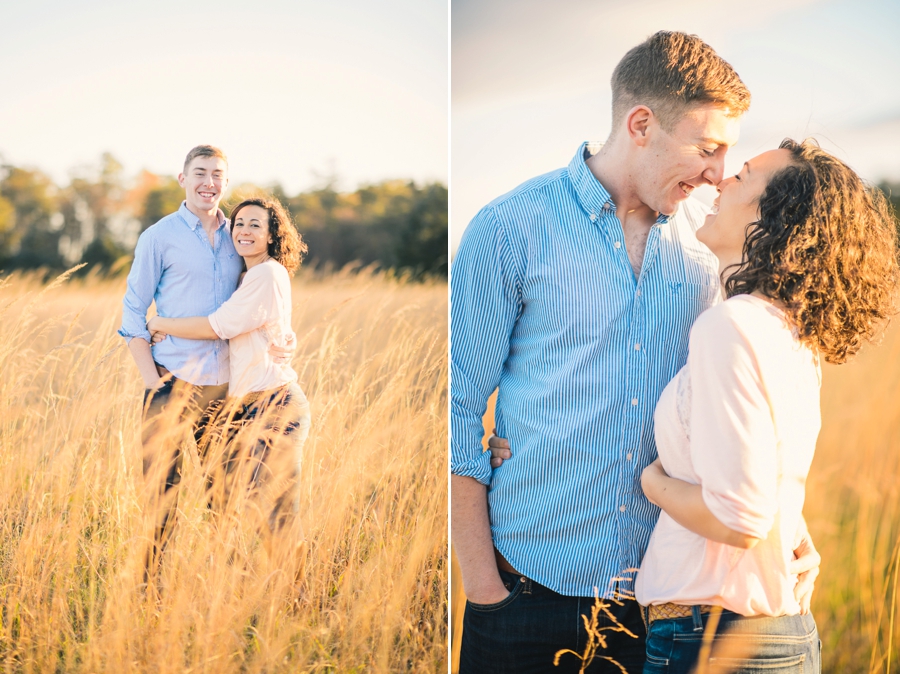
x=655, y=665
x=792, y=664
x=503, y=603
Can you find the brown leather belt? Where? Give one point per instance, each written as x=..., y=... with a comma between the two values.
x=664, y=611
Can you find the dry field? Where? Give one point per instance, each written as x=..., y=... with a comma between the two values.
x=74, y=527
x=853, y=511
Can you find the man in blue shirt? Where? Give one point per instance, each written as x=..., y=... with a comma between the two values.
x=574, y=295
x=187, y=264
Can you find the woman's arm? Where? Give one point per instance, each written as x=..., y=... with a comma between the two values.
x=683, y=502
x=193, y=327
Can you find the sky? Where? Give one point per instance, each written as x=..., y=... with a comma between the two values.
x=292, y=90
x=530, y=81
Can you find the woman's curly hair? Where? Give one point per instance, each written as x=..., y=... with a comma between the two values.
x=826, y=246
x=287, y=247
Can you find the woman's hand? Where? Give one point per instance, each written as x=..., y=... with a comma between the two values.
x=650, y=480
x=500, y=451
x=156, y=336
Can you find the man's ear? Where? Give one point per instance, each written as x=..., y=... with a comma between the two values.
x=181, y=179
x=638, y=122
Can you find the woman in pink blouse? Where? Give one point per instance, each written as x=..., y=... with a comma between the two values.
x=808, y=259
x=265, y=420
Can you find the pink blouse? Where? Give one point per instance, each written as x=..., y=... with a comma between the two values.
x=740, y=419
x=257, y=314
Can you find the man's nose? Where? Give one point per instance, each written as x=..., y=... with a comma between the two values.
x=715, y=171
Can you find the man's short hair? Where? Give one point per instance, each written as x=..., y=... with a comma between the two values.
x=671, y=73
x=204, y=151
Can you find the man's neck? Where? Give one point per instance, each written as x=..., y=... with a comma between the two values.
x=209, y=219
x=611, y=167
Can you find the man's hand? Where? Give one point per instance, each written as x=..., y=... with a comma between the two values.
x=806, y=565
x=156, y=336
x=283, y=355
x=500, y=451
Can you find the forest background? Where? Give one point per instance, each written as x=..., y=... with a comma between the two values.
x=97, y=217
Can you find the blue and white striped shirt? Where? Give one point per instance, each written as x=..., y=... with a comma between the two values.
x=545, y=306
x=175, y=265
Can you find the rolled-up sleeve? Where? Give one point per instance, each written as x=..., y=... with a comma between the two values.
x=734, y=448
x=253, y=305
x=143, y=280
x=485, y=300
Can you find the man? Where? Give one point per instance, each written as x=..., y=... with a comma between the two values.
x=187, y=264
x=574, y=294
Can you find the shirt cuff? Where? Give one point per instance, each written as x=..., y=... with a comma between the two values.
x=478, y=467
x=737, y=516
x=143, y=334
x=214, y=324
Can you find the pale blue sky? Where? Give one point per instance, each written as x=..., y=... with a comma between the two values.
x=286, y=87
x=530, y=81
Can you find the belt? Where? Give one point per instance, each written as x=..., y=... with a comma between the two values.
x=664, y=611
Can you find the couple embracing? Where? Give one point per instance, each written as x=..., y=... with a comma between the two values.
x=658, y=375
x=216, y=357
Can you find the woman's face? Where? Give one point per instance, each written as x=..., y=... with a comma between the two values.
x=737, y=205
x=250, y=231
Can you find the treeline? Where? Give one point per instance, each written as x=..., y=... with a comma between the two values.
x=98, y=216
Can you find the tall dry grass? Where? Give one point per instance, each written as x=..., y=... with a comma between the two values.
x=73, y=520
x=853, y=512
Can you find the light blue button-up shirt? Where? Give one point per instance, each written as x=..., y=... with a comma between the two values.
x=545, y=305
x=175, y=266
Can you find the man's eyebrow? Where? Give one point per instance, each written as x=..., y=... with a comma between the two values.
x=713, y=141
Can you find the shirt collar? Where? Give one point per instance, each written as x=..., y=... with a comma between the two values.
x=592, y=196
x=193, y=221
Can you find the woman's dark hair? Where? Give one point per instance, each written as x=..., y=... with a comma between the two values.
x=287, y=247
x=825, y=245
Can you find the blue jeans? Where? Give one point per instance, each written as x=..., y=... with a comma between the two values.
x=524, y=632
x=258, y=442
x=741, y=646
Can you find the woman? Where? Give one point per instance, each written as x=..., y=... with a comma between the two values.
x=807, y=256
x=265, y=420
x=808, y=261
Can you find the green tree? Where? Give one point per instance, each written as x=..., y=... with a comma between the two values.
x=31, y=235
x=161, y=200
x=422, y=244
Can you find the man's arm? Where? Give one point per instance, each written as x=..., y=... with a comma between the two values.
x=140, y=351
x=471, y=536
x=485, y=304
x=143, y=280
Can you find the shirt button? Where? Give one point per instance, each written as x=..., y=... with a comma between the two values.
x=633, y=402
x=617, y=244
x=637, y=347
x=628, y=456
x=622, y=508
x=593, y=216
x=638, y=293
x=607, y=206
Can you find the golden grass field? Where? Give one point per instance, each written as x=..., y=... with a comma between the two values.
x=372, y=359
x=853, y=512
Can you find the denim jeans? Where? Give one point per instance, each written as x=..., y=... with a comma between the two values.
x=742, y=645
x=524, y=632
x=173, y=415
x=258, y=442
